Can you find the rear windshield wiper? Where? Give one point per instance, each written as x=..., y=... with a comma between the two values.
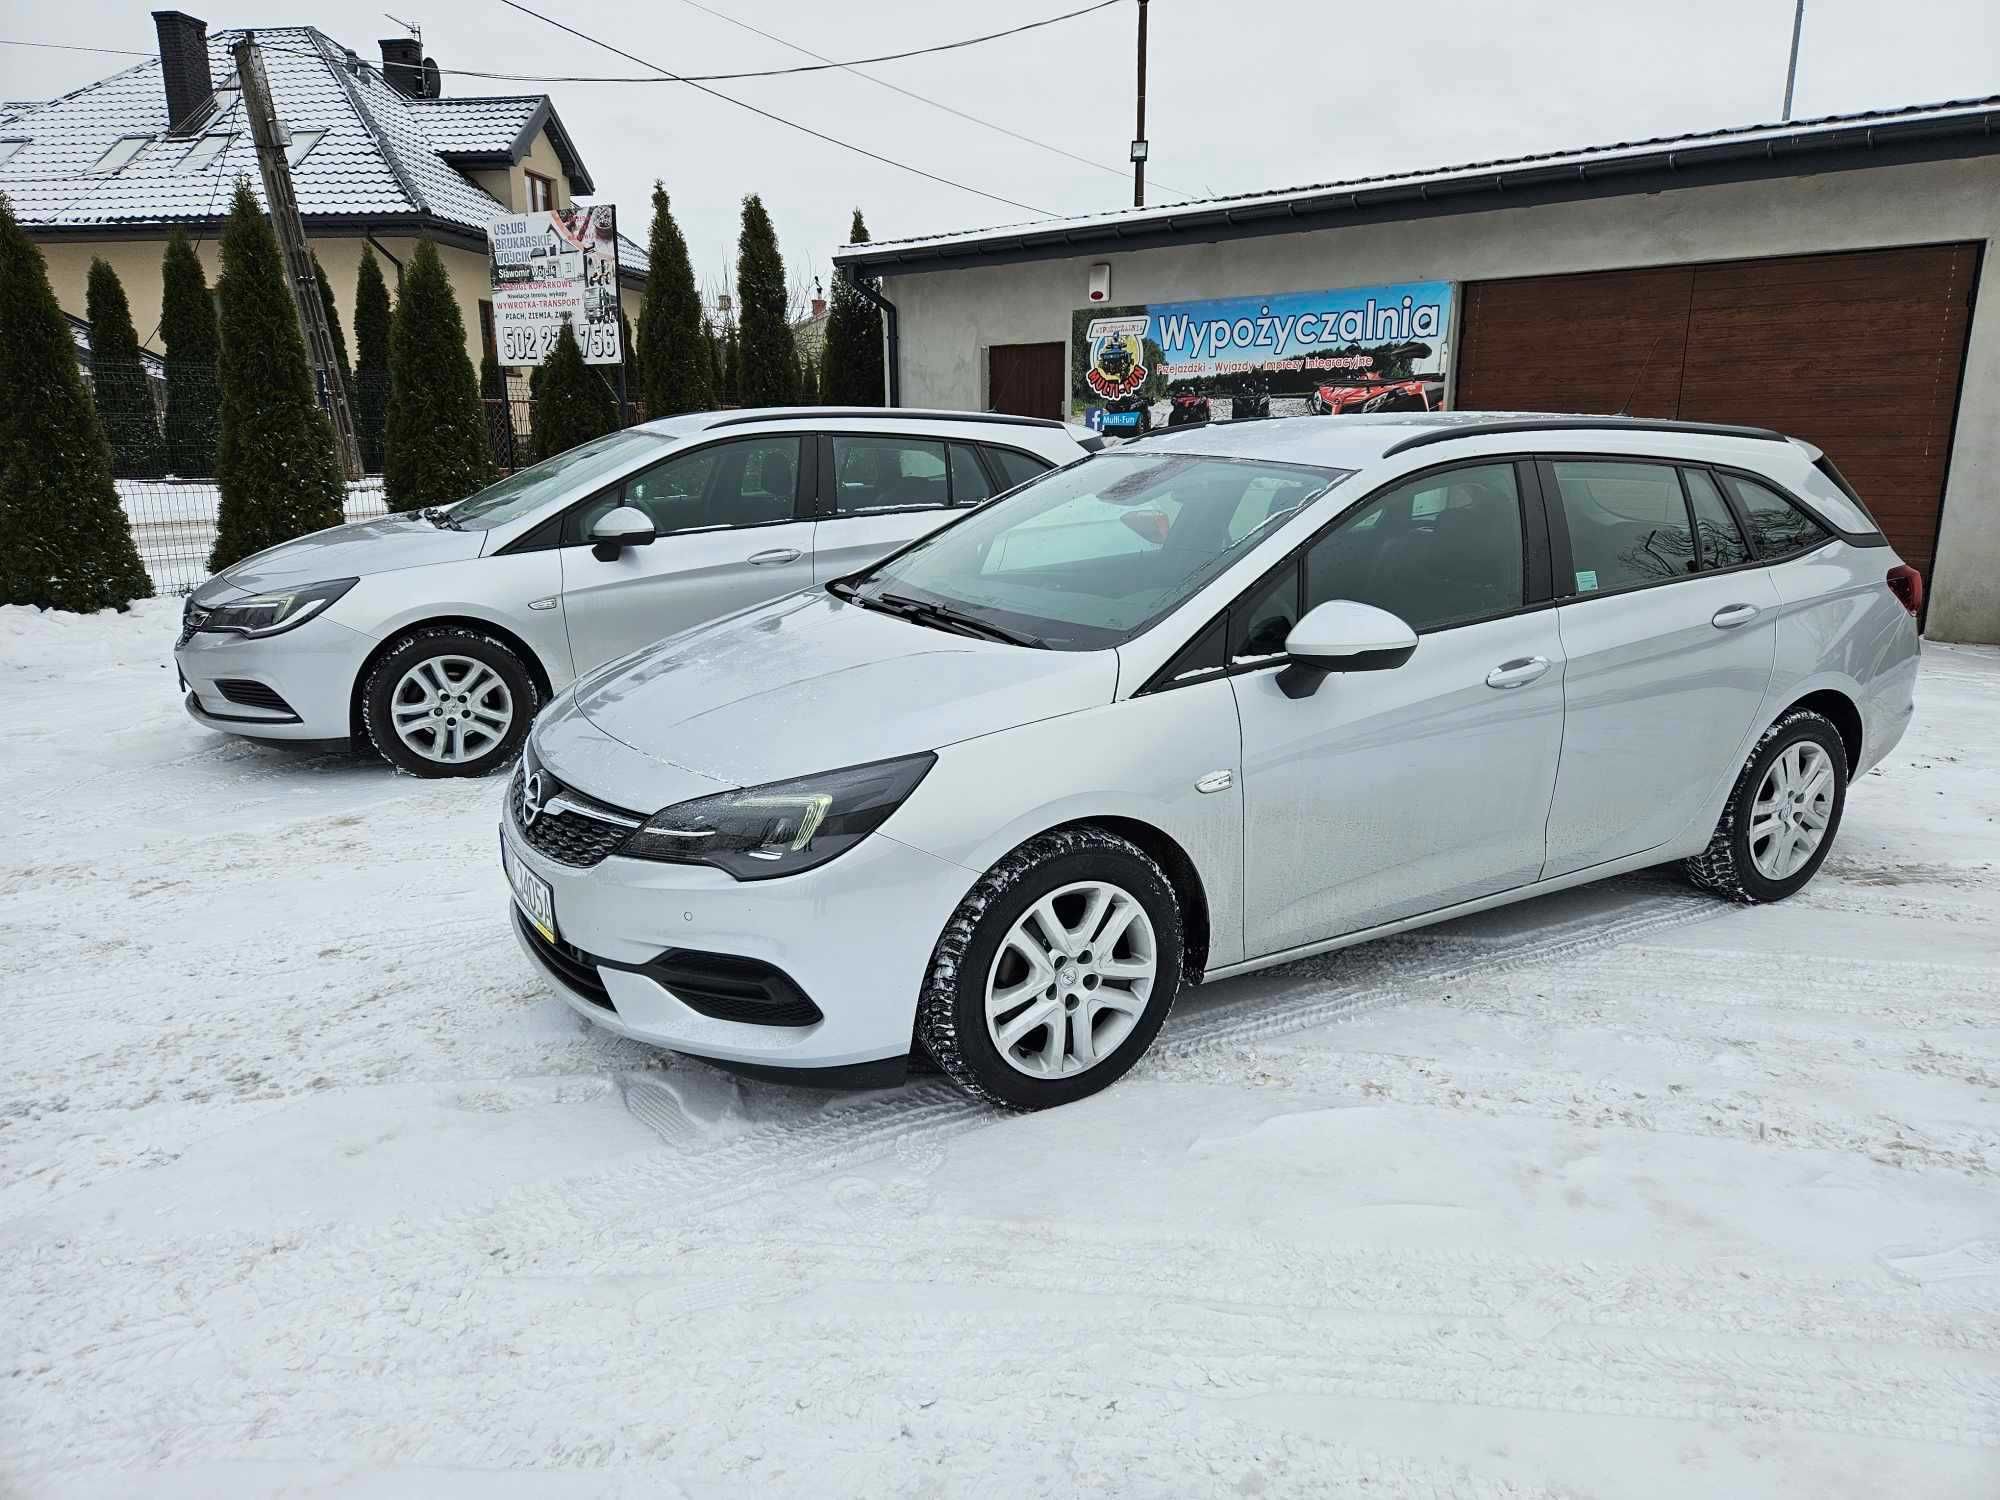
x=441, y=518
x=947, y=618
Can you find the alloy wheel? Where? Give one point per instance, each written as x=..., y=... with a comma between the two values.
x=1071, y=979
x=1794, y=804
x=451, y=709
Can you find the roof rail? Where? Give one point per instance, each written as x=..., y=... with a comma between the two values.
x=887, y=413
x=1502, y=426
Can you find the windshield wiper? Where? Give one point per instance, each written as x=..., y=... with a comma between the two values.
x=946, y=618
x=441, y=518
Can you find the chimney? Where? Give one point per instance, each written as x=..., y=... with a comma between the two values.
x=183, y=64
x=403, y=65
x=819, y=307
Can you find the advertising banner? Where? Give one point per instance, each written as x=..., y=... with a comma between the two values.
x=1371, y=348
x=553, y=268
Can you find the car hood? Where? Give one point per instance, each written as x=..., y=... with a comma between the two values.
x=811, y=682
x=382, y=545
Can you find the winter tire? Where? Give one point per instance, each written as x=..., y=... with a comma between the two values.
x=1055, y=973
x=448, y=702
x=1782, y=814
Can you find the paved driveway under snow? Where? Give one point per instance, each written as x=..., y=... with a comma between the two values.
x=307, y=1187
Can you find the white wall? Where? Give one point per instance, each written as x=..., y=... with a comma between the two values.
x=949, y=317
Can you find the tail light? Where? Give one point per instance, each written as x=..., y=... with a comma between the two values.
x=1907, y=584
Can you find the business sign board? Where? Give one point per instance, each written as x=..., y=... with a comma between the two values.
x=553, y=268
x=1372, y=348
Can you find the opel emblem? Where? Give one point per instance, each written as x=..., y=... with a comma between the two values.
x=531, y=800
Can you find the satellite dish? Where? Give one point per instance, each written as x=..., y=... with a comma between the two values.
x=429, y=84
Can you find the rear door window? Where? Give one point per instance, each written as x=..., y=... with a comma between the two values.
x=1778, y=527
x=1717, y=535
x=1628, y=524
x=888, y=473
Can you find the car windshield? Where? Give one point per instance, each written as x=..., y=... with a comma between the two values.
x=526, y=490
x=1092, y=554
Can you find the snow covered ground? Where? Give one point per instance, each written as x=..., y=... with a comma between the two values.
x=307, y=1187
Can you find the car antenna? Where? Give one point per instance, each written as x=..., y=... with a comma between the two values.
x=1625, y=410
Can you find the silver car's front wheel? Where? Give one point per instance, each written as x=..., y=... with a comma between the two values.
x=447, y=701
x=1055, y=973
x=451, y=709
x=1072, y=978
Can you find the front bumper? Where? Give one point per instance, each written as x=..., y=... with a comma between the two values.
x=311, y=670
x=855, y=935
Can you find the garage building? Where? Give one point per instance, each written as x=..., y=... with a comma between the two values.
x=1820, y=277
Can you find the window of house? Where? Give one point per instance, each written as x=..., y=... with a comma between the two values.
x=1628, y=524
x=303, y=142
x=1439, y=551
x=1780, y=528
x=8, y=149
x=1721, y=539
x=203, y=153
x=119, y=153
x=541, y=193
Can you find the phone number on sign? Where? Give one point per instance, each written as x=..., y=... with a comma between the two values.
x=533, y=344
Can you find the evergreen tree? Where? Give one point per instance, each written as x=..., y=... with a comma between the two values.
x=851, y=363
x=434, y=437
x=277, y=467
x=766, y=364
x=187, y=325
x=371, y=348
x=333, y=327
x=572, y=402
x=499, y=410
x=124, y=395
x=674, y=372
x=64, y=539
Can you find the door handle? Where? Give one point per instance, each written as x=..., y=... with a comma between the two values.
x=1732, y=615
x=775, y=555
x=1517, y=673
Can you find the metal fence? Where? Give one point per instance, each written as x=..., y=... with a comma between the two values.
x=164, y=434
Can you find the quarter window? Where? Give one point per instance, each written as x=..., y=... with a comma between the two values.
x=887, y=474
x=1437, y=552
x=969, y=484
x=1015, y=467
x=1628, y=524
x=1779, y=527
x=750, y=483
x=1263, y=618
x=1720, y=538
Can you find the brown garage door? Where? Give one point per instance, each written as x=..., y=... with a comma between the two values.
x=1025, y=380
x=1858, y=353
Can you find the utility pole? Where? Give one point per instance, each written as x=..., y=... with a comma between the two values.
x=1139, y=146
x=1792, y=70
x=271, y=140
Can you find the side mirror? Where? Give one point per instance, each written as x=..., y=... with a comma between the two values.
x=627, y=526
x=1343, y=635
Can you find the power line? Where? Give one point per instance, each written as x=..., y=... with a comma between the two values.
x=823, y=65
x=853, y=67
x=779, y=119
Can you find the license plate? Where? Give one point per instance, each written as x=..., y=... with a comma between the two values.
x=531, y=893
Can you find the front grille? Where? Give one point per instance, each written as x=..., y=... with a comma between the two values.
x=728, y=988
x=252, y=694
x=193, y=617
x=567, y=962
x=569, y=837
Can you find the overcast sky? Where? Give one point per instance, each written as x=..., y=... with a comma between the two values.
x=1241, y=96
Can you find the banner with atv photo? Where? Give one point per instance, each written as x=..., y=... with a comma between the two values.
x=1285, y=354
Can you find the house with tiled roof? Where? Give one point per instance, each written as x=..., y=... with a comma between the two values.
x=377, y=157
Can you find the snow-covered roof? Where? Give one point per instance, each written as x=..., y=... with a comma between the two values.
x=1960, y=127
x=380, y=157
x=12, y=109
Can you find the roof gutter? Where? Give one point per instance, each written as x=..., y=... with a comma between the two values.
x=1510, y=185
x=892, y=354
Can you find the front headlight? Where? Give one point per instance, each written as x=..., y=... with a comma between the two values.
x=761, y=832
x=277, y=611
